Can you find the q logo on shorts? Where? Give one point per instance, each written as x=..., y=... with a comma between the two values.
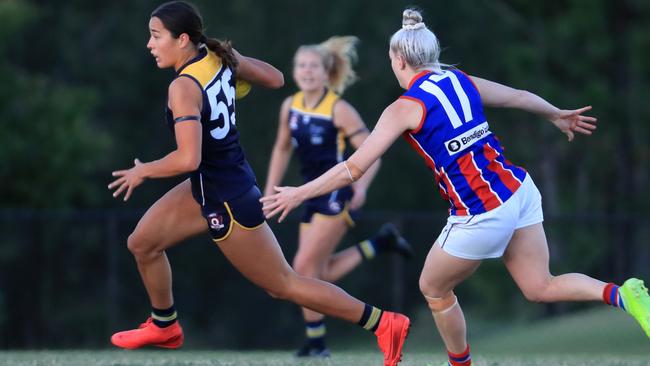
x=216, y=221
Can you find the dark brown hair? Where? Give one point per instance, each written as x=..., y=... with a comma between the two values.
x=180, y=17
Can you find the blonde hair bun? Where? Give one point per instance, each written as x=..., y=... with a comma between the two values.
x=412, y=19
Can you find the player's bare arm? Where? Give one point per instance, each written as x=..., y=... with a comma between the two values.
x=258, y=72
x=568, y=121
x=400, y=116
x=282, y=150
x=349, y=120
x=185, y=100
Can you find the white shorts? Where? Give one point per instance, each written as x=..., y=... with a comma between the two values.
x=487, y=235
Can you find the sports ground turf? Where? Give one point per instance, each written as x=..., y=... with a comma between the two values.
x=277, y=358
x=599, y=337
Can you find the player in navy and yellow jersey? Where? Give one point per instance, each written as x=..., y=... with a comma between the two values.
x=316, y=123
x=221, y=194
x=495, y=208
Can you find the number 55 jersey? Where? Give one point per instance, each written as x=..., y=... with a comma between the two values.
x=456, y=143
x=224, y=173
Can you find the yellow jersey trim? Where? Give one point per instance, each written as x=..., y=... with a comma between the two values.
x=340, y=144
x=204, y=70
x=324, y=109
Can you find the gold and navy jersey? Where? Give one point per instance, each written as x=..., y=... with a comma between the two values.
x=318, y=143
x=224, y=172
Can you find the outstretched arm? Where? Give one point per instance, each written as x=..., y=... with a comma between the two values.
x=568, y=121
x=258, y=72
x=400, y=116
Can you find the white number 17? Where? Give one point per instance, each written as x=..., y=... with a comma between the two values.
x=435, y=90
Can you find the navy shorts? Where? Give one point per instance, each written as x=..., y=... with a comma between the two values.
x=244, y=211
x=332, y=204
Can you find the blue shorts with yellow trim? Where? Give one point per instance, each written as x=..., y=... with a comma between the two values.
x=332, y=205
x=244, y=211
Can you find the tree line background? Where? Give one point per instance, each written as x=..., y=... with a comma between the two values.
x=80, y=96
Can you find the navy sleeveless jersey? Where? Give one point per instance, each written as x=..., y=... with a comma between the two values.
x=318, y=143
x=224, y=172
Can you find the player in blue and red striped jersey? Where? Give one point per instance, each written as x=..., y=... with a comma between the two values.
x=495, y=207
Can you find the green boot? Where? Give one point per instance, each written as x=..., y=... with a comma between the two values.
x=637, y=302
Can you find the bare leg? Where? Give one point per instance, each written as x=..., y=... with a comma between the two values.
x=441, y=274
x=248, y=249
x=527, y=260
x=316, y=243
x=341, y=263
x=174, y=217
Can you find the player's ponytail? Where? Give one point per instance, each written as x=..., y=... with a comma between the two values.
x=342, y=53
x=223, y=49
x=416, y=43
x=181, y=17
x=337, y=55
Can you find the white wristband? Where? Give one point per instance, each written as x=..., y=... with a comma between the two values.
x=345, y=164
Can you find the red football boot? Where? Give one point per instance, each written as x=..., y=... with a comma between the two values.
x=391, y=334
x=149, y=334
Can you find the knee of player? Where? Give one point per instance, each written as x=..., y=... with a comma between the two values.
x=430, y=289
x=536, y=292
x=533, y=296
x=306, y=267
x=443, y=303
x=139, y=246
x=281, y=288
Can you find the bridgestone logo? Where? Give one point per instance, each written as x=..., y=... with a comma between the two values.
x=462, y=142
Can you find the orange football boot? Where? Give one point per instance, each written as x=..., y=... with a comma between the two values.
x=149, y=334
x=391, y=334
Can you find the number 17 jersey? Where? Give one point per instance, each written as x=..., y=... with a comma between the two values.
x=456, y=143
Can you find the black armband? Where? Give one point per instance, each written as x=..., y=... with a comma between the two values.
x=361, y=130
x=187, y=118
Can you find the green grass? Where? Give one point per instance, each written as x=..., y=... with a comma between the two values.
x=278, y=358
x=602, y=330
x=602, y=337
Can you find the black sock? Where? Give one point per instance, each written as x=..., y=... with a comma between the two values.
x=164, y=317
x=367, y=249
x=315, y=332
x=370, y=318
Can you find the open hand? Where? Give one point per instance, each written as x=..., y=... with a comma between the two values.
x=128, y=180
x=570, y=121
x=285, y=200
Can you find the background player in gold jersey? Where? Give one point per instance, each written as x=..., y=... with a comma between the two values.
x=316, y=122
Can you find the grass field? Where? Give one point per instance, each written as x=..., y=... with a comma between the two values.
x=214, y=358
x=599, y=337
x=217, y=358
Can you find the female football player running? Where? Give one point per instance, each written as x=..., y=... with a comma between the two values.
x=221, y=193
x=495, y=207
